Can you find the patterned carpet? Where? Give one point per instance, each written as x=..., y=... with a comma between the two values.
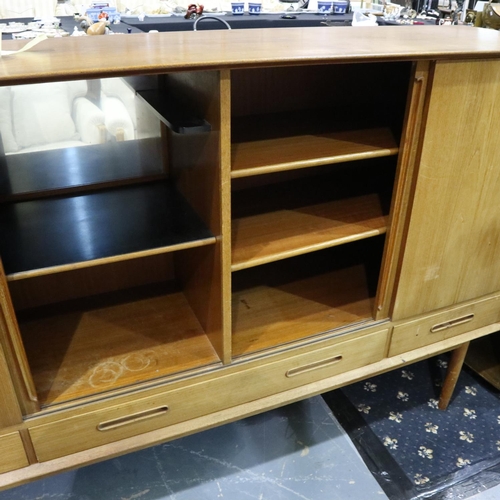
x=414, y=449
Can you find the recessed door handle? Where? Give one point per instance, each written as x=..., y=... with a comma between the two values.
x=452, y=322
x=132, y=419
x=314, y=366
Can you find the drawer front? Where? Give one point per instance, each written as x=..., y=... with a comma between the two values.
x=13, y=455
x=441, y=326
x=137, y=416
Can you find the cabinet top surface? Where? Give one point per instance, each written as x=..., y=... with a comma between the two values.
x=100, y=56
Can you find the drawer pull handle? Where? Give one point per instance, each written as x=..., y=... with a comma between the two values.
x=314, y=366
x=452, y=322
x=132, y=419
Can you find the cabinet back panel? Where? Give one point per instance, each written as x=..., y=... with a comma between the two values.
x=358, y=89
x=53, y=288
x=296, y=188
x=194, y=159
x=366, y=253
x=292, y=299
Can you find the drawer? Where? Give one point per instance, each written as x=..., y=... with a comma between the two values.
x=443, y=325
x=13, y=455
x=233, y=386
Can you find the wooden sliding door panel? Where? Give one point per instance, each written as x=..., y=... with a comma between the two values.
x=453, y=244
x=13, y=359
x=11, y=412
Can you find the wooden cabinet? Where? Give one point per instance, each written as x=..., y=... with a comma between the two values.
x=288, y=216
x=451, y=253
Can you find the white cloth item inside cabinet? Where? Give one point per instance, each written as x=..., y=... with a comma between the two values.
x=116, y=87
x=8, y=140
x=117, y=118
x=88, y=120
x=42, y=113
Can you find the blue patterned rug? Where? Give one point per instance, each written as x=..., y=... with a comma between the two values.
x=414, y=449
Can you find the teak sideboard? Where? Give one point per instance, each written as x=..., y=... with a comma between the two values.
x=320, y=205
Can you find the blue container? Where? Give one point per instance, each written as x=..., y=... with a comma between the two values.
x=238, y=8
x=324, y=7
x=340, y=6
x=254, y=8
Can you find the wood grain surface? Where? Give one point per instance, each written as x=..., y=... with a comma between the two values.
x=112, y=341
x=451, y=252
x=267, y=237
x=73, y=57
x=287, y=153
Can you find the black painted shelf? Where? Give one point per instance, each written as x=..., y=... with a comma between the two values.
x=55, y=234
x=38, y=173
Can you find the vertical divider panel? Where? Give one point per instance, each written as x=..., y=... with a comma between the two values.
x=195, y=168
x=225, y=148
x=403, y=187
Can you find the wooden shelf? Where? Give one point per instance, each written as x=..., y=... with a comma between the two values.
x=256, y=157
x=82, y=348
x=270, y=315
x=268, y=237
x=51, y=235
x=173, y=113
x=40, y=173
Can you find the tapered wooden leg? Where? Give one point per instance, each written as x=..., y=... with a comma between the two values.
x=454, y=368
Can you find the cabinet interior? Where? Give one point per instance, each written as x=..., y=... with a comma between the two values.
x=314, y=154
x=109, y=253
x=109, y=340
x=113, y=251
x=304, y=296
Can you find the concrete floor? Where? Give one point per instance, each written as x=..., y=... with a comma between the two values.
x=295, y=452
